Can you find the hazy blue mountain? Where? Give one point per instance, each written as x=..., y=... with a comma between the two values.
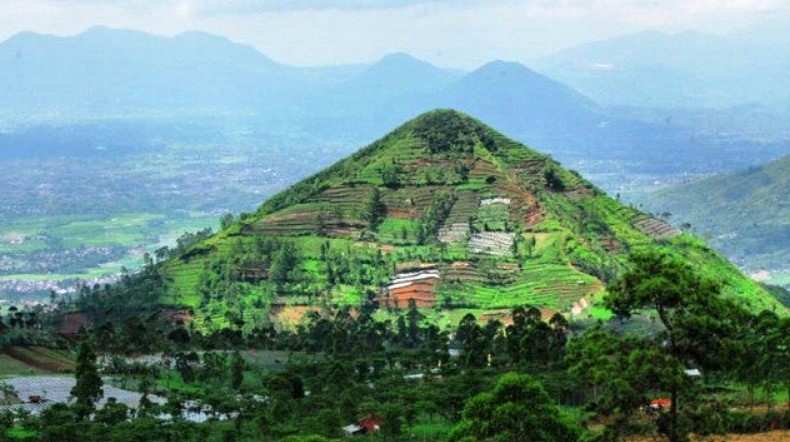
x=773, y=31
x=112, y=73
x=689, y=69
x=508, y=95
x=106, y=70
x=518, y=100
x=554, y=118
x=393, y=76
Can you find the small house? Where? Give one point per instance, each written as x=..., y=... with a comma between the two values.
x=371, y=423
x=368, y=424
x=353, y=430
x=660, y=404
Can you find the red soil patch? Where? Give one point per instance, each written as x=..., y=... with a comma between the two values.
x=71, y=323
x=400, y=213
x=611, y=244
x=534, y=217
x=289, y=316
x=387, y=248
x=771, y=436
x=502, y=316
x=423, y=292
x=484, y=168
x=177, y=316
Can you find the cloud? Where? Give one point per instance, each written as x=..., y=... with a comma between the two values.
x=457, y=33
x=638, y=10
x=221, y=7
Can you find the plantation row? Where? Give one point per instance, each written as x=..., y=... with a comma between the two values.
x=657, y=229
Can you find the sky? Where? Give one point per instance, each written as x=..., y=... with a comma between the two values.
x=450, y=33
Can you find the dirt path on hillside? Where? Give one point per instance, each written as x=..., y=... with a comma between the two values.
x=771, y=436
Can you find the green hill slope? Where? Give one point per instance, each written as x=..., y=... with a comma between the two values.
x=746, y=213
x=443, y=211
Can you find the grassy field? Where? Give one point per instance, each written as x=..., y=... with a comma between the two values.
x=34, y=360
x=68, y=248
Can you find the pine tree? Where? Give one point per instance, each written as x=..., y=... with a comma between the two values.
x=375, y=210
x=236, y=370
x=88, y=389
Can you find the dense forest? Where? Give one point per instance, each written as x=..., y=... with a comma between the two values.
x=710, y=362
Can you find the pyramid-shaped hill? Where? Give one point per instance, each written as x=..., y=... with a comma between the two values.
x=443, y=211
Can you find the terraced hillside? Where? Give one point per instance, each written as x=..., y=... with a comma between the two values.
x=746, y=214
x=443, y=213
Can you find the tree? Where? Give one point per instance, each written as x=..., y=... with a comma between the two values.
x=620, y=373
x=470, y=336
x=375, y=210
x=553, y=180
x=236, y=370
x=391, y=175
x=226, y=221
x=767, y=341
x=284, y=262
x=518, y=410
x=113, y=413
x=700, y=330
x=88, y=389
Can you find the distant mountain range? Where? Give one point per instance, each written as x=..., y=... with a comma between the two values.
x=110, y=93
x=747, y=213
x=106, y=73
x=685, y=70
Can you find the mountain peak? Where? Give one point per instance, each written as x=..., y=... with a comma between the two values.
x=399, y=57
x=402, y=63
x=448, y=130
x=509, y=72
x=443, y=212
x=506, y=67
x=106, y=32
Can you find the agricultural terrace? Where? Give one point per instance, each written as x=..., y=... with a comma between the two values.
x=443, y=212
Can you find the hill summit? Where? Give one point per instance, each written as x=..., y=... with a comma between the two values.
x=443, y=213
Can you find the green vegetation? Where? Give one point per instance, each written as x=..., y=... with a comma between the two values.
x=746, y=215
x=88, y=389
x=396, y=375
x=526, y=231
x=474, y=258
x=509, y=382
x=517, y=409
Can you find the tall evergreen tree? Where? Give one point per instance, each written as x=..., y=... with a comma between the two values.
x=700, y=331
x=236, y=370
x=88, y=389
x=375, y=210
